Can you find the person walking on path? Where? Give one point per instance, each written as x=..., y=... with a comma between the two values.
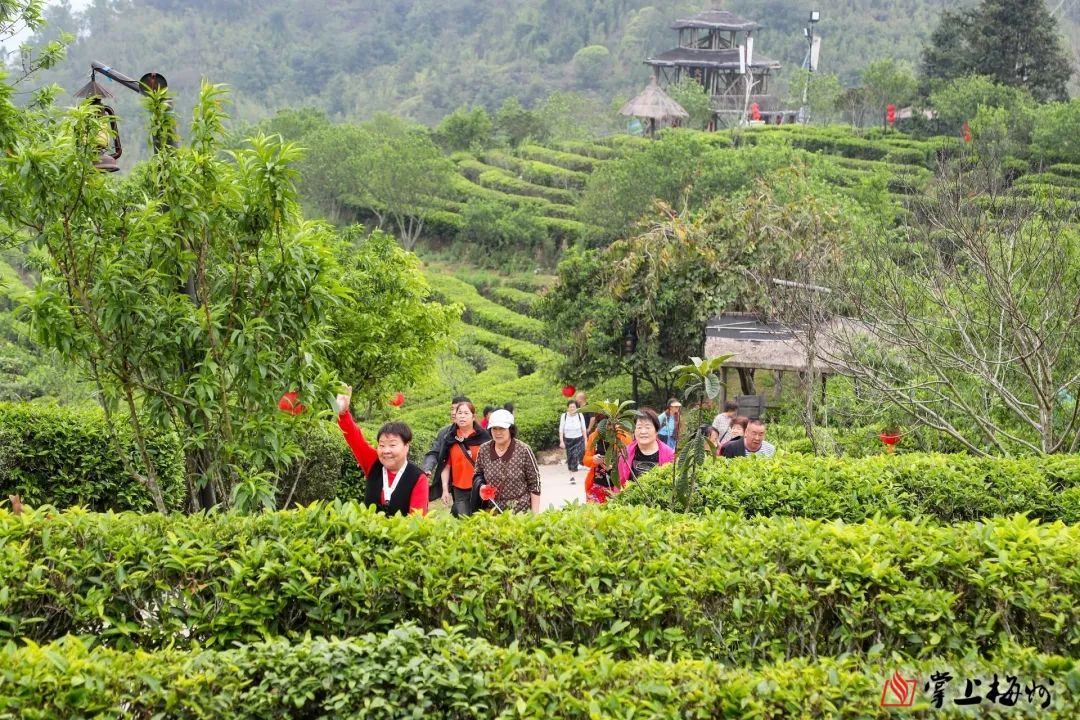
x=509, y=466
x=599, y=482
x=432, y=466
x=572, y=430
x=458, y=459
x=723, y=420
x=751, y=443
x=395, y=486
x=646, y=452
x=735, y=430
x=671, y=424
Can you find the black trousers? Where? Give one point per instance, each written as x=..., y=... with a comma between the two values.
x=462, y=502
x=575, y=452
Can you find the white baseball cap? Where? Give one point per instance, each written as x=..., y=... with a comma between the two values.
x=501, y=419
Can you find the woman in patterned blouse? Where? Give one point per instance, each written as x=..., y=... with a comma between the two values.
x=509, y=466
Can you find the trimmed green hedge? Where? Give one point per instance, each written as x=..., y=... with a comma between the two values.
x=467, y=190
x=1049, y=178
x=501, y=180
x=407, y=673
x=520, y=301
x=567, y=160
x=536, y=171
x=950, y=488
x=484, y=313
x=65, y=456
x=526, y=355
x=592, y=150
x=628, y=580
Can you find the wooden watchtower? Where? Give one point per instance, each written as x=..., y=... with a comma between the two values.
x=716, y=49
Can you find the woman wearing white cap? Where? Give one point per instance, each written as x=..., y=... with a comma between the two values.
x=509, y=466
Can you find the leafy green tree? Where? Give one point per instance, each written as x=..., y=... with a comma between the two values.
x=465, y=129
x=295, y=124
x=621, y=191
x=29, y=15
x=1015, y=42
x=958, y=101
x=386, y=166
x=574, y=116
x=888, y=81
x=1056, y=133
x=385, y=335
x=823, y=93
x=514, y=124
x=640, y=305
x=592, y=65
x=191, y=293
x=694, y=100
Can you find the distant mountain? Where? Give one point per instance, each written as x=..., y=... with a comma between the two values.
x=424, y=58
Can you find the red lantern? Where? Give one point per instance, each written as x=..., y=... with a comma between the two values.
x=755, y=111
x=569, y=391
x=288, y=404
x=967, y=133
x=398, y=400
x=890, y=114
x=487, y=492
x=890, y=438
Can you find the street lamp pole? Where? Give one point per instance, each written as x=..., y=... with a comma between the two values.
x=808, y=65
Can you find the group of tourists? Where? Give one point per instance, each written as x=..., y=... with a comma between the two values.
x=736, y=435
x=480, y=464
x=467, y=456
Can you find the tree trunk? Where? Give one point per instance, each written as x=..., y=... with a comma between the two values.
x=746, y=380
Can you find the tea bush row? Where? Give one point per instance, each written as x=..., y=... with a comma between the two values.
x=527, y=355
x=950, y=488
x=502, y=180
x=484, y=313
x=627, y=580
x=593, y=150
x=65, y=456
x=568, y=160
x=409, y=673
x=536, y=171
x=520, y=301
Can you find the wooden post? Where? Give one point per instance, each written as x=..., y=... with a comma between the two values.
x=723, y=388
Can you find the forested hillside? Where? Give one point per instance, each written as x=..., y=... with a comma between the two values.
x=424, y=58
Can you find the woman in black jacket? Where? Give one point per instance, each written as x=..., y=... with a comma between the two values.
x=458, y=459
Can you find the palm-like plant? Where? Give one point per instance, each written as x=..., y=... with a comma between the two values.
x=699, y=381
x=617, y=421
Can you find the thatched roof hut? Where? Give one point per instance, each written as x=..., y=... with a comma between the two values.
x=773, y=346
x=656, y=106
x=717, y=20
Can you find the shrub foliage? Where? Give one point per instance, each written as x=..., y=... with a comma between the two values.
x=626, y=580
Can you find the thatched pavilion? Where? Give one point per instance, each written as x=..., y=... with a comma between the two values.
x=772, y=346
x=656, y=106
x=716, y=50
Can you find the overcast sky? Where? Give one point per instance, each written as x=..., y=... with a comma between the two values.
x=18, y=38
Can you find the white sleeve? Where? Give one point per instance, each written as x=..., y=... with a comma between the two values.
x=562, y=423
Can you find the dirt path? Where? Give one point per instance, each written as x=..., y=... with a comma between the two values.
x=556, y=490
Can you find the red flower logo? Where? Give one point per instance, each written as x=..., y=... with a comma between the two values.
x=899, y=691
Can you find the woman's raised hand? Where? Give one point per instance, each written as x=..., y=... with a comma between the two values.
x=341, y=402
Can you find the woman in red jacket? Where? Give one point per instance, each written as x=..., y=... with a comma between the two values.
x=395, y=486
